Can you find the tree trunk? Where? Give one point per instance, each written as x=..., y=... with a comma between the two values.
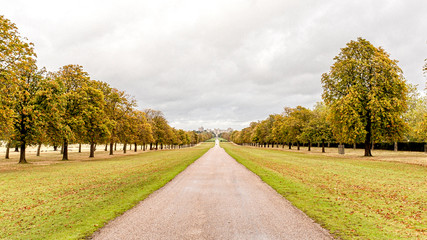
x=341, y=148
x=298, y=145
x=323, y=145
x=55, y=148
x=62, y=149
x=395, y=146
x=38, y=149
x=16, y=148
x=151, y=146
x=368, y=137
x=111, y=148
x=309, y=146
x=92, y=150
x=161, y=146
x=143, y=147
x=136, y=147
x=80, y=147
x=7, y=150
x=290, y=145
x=115, y=146
x=124, y=147
x=354, y=146
x=157, y=145
x=22, y=154
x=65, y=150
x=106, y=147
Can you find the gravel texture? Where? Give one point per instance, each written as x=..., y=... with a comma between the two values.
x=214, y=198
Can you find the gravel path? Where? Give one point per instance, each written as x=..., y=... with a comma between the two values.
x=214, y=198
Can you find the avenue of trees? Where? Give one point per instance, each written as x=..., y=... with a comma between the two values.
x=68, y=107
x=366, y=100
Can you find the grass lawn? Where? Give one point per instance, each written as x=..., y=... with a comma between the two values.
x=72, y=199
x=219, y=139
x=351, y=197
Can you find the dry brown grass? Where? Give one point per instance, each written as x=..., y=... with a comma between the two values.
x=418, y=158
x=48, y=156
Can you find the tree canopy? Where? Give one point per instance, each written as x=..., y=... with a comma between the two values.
x=66, y=106
x=367, y=94
x=366, y=100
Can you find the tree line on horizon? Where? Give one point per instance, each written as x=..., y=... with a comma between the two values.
x=67, y=106
x=365, y=100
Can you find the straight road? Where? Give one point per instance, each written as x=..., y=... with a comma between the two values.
x=214, y=198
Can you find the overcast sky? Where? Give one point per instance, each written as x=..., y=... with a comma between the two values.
x=221, y=63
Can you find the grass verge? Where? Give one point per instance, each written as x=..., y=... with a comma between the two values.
x=352, y=198
x=71, y=200
x=214, y=139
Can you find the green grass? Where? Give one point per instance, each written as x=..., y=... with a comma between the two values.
x=71, y=200
x=220, y=139
x=352, y=198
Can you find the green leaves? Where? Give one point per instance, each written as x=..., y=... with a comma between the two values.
x=17, y=58
x=367, y=94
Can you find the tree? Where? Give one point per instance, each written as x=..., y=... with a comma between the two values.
x=414, y=116
x=144, y=133
x=26, y=112
x=50, y=104
x=127, y=128
x=423, y=128
x=182, y=138
x=159, y=125
x=318, y=128
x=366, y=93
x=117, y=106
x=16, y=57
x=279, y=130
x=96, y=124
x=297, y=119
x=73, y=80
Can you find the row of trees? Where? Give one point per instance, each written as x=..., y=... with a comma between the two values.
x=67, y=106
x=366, y=99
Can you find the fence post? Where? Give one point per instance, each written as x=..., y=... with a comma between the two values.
x=341, y=148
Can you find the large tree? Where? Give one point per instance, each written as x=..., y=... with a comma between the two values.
x=96, y=124
x=296, y=120
x=318, y=128
x=159, y=126
x=279, y=130
x=144, y=133
x=415, y=115
x=73, y=80
x=423, y=127
x=50, y=104
x=27, y=119
x=16, y=57
x=118, y=105
x=127, y=128
x=366, y=93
